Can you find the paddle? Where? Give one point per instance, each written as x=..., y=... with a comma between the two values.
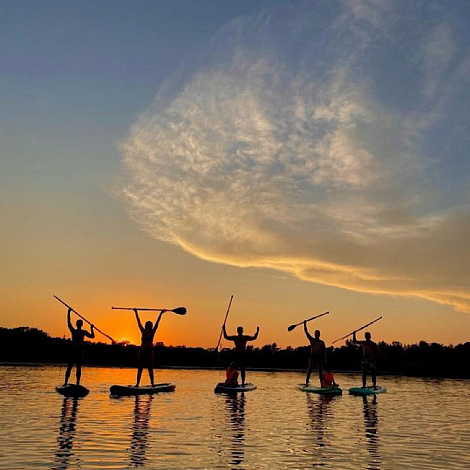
x=291, y=327
x=83, y=318
x=355, y=331
x=225, y=321
x=178, y=310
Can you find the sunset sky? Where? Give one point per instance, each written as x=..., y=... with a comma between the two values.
x=303, y=156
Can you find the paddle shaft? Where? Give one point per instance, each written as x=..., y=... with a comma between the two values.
x=290, y=328
x=177, y=310
x=355, y=331
x=135, y=308
x=84, y=319
x=225, y=321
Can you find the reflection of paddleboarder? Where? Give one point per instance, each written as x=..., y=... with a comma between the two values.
x=370, y=351
x=317, y=354
x=318, y=411
x=145, y=358
x=240, y=341
x=76, y=350
x=371, y=421
x=67, y=432
x=236, y=408
x=140, y=430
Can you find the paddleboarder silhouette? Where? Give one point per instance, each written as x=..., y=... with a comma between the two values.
x=317, y=354
x=240, y=341
x=370, y=351
x=76, y=350
x=146, y=356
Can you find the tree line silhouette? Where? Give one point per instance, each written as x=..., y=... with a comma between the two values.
x=31, y=345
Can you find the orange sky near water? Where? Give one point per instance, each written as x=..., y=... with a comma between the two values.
x=134, y=270
x=200, y=150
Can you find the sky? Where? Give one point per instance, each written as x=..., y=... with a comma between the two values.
x=303, y=156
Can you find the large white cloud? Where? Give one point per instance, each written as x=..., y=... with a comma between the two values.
x=328, y=139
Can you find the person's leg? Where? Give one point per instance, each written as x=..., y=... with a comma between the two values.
x=150, y=369
x=374, y=378
x=139, y=375
x=67, y=372
x=78, y=370
x=242, y=373
x=364, y=378
x=320, y=371
x=309, y=371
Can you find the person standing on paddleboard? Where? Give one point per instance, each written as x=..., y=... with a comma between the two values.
x=240, y=341
x=370, y=351
x=145, y=358
x=76, y=351
x=317, y=354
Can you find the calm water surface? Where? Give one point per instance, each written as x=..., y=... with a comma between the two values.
x=419, y=423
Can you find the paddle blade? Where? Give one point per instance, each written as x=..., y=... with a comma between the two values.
x=290, y=328
x=180, y=311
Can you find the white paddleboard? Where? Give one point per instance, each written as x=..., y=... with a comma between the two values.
x=320, y=390
x=222, y=388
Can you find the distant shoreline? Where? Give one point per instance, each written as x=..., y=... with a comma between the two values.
x=30, y=346
x=251, y=369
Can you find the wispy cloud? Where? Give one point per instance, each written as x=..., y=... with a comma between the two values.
x=304, y=141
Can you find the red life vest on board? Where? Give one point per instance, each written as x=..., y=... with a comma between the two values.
x=327, y=379
x=232, y=376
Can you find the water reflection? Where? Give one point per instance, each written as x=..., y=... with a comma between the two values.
x=67, y=430
x=140, y=430
x=371, y=421
x=235, y=406
x=318, y=410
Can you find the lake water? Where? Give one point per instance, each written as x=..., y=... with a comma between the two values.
x=418, y=424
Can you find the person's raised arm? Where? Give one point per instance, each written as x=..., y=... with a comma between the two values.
x=141, y=328
x=92, y=332
x=309, y=336
x=226, y=336
x=251, y=338
x=69, y=322
x=158, y=321
x=355, y=340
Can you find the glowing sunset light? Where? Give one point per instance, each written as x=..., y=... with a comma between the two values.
x=304, y=156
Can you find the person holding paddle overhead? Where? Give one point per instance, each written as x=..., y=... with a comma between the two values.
x=145, y=358
x=240, y=341
x=317, y=354
x=76, y=351
x=370, y=350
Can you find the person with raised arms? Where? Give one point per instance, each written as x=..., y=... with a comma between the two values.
x=317, y=354
x=240, y=341
x=146, y=356
x=76, y=351
x=370, y=351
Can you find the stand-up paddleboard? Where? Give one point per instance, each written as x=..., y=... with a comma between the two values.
x=366, y=391
x=320, y=390
x=222, y=388
x=125, y=390
x=72, y=390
